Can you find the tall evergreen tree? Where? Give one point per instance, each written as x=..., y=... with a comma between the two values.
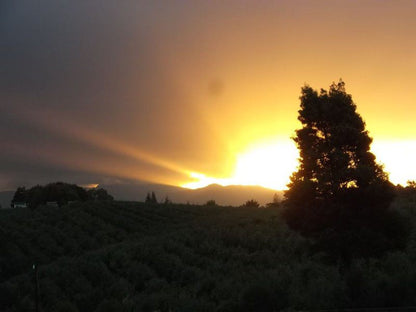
x=154, y=200
x=339, y=194
x=151, y=198
x=148, y=199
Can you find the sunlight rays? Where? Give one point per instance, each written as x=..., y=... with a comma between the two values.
x=103, y=141
x=266, y=164
x=271, y=164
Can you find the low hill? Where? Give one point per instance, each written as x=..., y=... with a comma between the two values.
x=233, y=195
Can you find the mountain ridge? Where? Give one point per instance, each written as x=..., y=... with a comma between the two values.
x=231, y=195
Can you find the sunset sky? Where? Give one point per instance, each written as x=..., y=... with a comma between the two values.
x=194, y=92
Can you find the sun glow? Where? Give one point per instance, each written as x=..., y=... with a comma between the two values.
x=271, y=164
x=398, y=158
x=267, y=164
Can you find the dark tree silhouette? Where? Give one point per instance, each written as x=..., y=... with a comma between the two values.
x=58, y=192
x=151, y=198
x=20, y=195
x=275, y=203
x=339, y=194
x=167, y=201
x=99, y=194
x=148, y=199
x=211, y=202
x=251, y=204
x=154, y=200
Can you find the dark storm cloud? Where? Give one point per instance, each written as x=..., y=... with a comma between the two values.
x=65, y=52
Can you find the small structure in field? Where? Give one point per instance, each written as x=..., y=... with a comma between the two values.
x=19, y=205
x=52, y=204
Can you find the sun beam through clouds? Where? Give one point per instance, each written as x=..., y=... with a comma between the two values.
x=271, y=164
x=268, y=164
x=166, y=97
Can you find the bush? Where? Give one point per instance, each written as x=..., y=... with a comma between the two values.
x=251, y=204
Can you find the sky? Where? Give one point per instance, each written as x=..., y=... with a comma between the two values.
x=194, y=92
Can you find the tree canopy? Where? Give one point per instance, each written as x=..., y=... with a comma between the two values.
x=339, y=194
x=58, y=192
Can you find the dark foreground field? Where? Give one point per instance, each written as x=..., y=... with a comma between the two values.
x=122, y=256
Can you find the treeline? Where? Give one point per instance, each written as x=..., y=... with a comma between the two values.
x=59, y=193
x=127, y=256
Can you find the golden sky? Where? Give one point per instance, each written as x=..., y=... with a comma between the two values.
x=170, y=91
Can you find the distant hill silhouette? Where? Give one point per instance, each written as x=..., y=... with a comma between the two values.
x=233, y=195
